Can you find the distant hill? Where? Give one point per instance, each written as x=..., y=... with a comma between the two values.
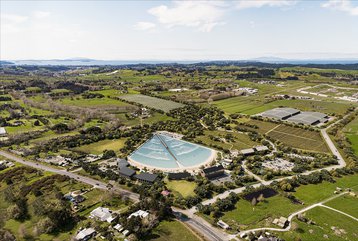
x=2, y=62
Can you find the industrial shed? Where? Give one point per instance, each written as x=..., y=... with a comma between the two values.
x=309, y=118
x=280, y=113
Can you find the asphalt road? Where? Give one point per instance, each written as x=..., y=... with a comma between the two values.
x=211, y=233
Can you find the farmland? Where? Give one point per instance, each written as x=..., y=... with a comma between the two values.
x=249, y=105
x=152, y=102
x=298, y=138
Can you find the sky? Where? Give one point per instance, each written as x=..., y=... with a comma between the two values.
x=178, y=30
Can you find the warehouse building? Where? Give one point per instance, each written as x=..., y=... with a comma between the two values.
x=309, y=118
x=296, y=116
x=280, y=113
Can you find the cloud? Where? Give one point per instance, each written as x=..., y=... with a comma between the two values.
x=244, y=4
x=144, y=26
x=202, y=15
x=10, y=23
x=41, y=14
x=13, y=18
x=341, y=5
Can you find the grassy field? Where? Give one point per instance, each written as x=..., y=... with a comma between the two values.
x=351, y=131
x=299, y=138
x=28, y=126
x=241, y=141
x=315, y=193
x=247, y=216
x=152, y=102
x=95, y=102
x=263, y=126
x=155, y=117
x=98, y=147
x=172, y=231
x=325, y=219
x=346, y=203
x=181, y=187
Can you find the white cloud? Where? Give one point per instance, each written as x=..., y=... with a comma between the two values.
x=13, y=18
x=342, y=5
x=10, y=23
x=261, y=3
x=203, y=15
x=41, y=14
x=144, y=26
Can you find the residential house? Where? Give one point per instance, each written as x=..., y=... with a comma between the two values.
x=102, y=214
x=85, y=234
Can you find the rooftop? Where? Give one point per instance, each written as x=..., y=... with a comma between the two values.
x=126, y=171
x=145, y=176
x=2, y=131
x=103, y=214
x=213, y=169
x=280, y=113
x=84, y=233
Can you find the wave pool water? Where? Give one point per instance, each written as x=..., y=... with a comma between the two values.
x=165, y=152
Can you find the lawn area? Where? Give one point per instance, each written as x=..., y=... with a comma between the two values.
x=98, y=147
x=172, y=231
x=315, y=193
x=181, y=187
x=345, y=203
x=324, y=219
x=152, y=102
x=247, y=216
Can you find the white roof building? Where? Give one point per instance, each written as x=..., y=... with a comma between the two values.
x=103, y=214
x=125, y=232
x=247, y=151
x=118, y=227
x=84, y=234
x=261, y=148
x=222, y=224
x=2, y=131
x=139, y=213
